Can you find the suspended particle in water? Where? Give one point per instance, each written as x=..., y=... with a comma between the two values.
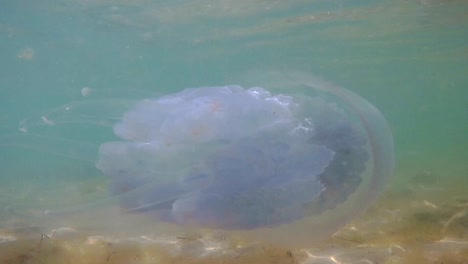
x=85, y=91
x=26, y=54
x=47, y=121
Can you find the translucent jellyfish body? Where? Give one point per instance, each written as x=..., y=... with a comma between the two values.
x=285, y=169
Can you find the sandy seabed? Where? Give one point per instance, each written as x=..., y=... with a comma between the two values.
x=426, y=221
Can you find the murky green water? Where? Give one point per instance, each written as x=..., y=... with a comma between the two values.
x=408, y=58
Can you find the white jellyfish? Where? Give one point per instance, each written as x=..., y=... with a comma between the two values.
x=237, y=160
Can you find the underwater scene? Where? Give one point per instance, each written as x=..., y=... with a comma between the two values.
x=234, y=131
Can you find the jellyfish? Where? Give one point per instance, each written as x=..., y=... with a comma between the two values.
x=283, y=168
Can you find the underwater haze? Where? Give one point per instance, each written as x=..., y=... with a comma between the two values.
x=234, y=131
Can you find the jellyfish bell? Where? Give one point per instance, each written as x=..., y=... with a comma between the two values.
x=283, y=169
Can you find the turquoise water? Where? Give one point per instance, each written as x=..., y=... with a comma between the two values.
x=408, y=58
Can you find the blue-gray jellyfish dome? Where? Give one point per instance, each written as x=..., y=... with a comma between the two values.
x=234, y=158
